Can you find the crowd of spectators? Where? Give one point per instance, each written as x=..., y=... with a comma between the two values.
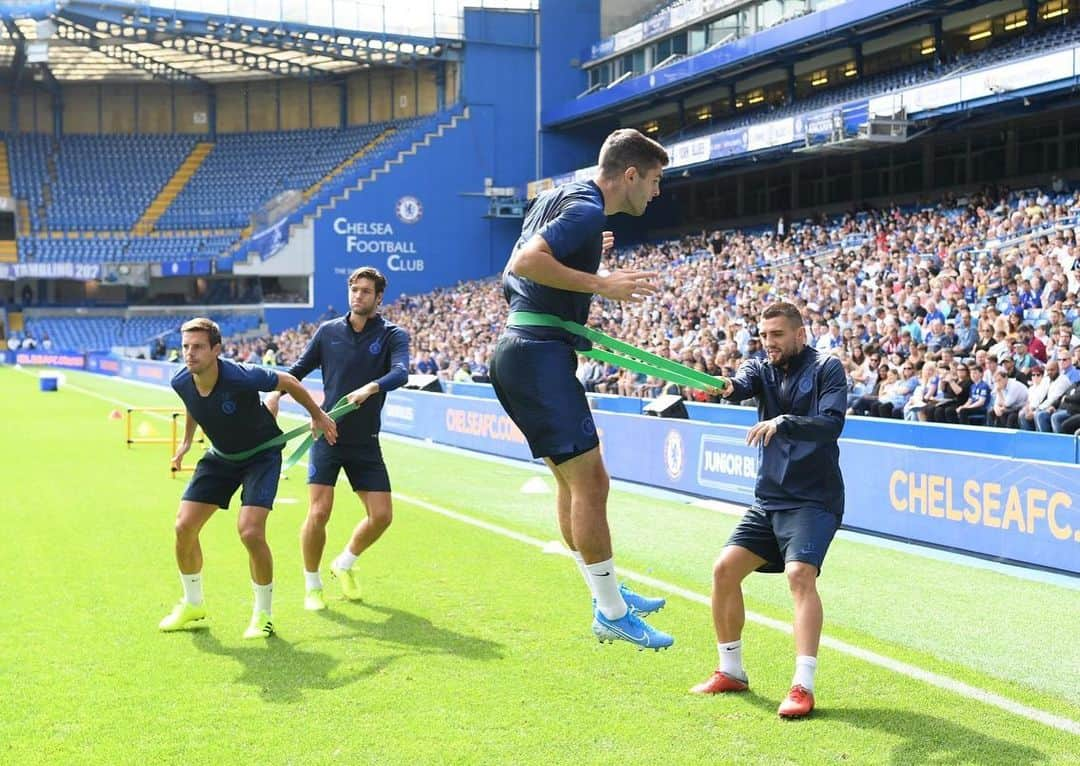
x=964, y=311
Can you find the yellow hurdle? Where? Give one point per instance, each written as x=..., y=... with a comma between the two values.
x=173, y=440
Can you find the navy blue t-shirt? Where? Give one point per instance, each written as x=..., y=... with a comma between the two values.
x=571, y=220
x=232, y=416
x=980, y=390
x=350, y=359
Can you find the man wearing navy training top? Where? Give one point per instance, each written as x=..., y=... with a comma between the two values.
x=362, y=356
x=222, y=397
x=553, y=270
x=798, y=497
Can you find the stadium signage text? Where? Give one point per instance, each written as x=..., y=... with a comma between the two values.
x=366, y=228
x=486, y=425
x=399, y=412
x=81, y=271
x=726, y=463
x=991, y=504
x=354, y=244
x=397, y=263
x=359, y=238
x=71, y=360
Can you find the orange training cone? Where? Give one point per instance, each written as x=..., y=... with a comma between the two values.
x=115, y=415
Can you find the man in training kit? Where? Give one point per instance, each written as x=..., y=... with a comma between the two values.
x=222, y=397
x=798, y=498
x=552, y=270
x=362, y=356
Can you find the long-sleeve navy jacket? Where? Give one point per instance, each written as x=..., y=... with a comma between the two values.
x=801, y=465
x=351, y=359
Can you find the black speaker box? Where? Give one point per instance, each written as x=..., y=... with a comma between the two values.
x=424, y=383
x=666, y=406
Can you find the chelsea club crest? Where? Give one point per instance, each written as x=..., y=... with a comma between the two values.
x=408, y=209
x=673, y=455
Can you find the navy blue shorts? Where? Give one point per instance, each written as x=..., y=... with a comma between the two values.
x=216, y=480
x=363, y=465
x=536, y=385
x=801, y=534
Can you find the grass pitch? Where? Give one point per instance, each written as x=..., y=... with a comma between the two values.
x=469, y=646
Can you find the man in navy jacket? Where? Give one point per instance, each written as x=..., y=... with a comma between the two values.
x=798, y=498
x=362, y=357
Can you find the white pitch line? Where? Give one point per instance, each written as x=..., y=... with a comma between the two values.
x=896, y=666
x=902, y=668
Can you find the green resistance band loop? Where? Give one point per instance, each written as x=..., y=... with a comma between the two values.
x=340, y=410
x=622, y=354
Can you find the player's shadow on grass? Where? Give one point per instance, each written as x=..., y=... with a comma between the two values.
x=923, y=738
x=932, y=739
x=280, y=671
x=405, y=629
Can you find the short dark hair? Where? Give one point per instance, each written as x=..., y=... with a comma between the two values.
x=628, y=148
x=784, y=309
x=372, y=273
x=202, y=324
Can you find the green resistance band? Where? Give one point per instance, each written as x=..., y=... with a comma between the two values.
x=622, y=354
x=340, y=410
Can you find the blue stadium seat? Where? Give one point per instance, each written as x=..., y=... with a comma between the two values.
x=245, y=170
x=99, y=333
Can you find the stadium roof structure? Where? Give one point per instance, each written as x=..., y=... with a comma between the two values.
x=208, y=41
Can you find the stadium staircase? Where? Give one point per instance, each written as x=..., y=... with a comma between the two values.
x=312, y=191
x=46, y=190
x=172, y=188
x=22, y=215
x=5, y=171
x=354, y=174
x=363, y=152
x=8, y=250
x=416, y=146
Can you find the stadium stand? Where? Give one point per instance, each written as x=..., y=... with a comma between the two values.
x=72, y=182
x=245, y=170
x=103, y=332
x=405, y=133
x=1041, y=41
x=76, y=216
x=122, y=248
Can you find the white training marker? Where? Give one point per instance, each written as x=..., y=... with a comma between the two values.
x=718, y=506
x=535, y=486
x=555, y=547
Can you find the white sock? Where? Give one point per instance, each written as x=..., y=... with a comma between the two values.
x=731, y=658
x=804, y=672
x=263, y=594
x=312, y=580
x=605, y=586
x=192, y=584
x=580, y=561
x=345, y=559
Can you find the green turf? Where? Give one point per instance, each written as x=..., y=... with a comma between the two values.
x=469, y=647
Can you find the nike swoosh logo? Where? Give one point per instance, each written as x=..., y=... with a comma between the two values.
x=630, y=636
x=603, y=574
